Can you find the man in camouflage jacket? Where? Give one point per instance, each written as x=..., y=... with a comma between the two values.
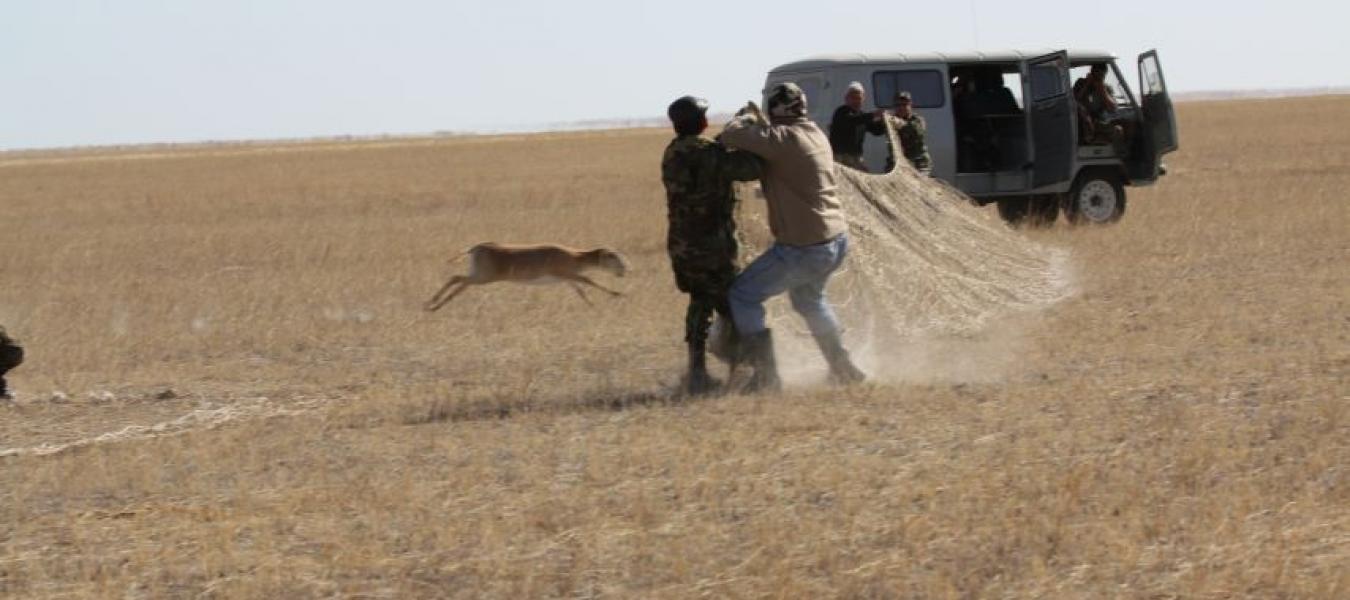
x=698, y=175
x=911, y=129
x=11, y=355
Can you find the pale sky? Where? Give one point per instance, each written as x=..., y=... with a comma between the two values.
x=85, y=72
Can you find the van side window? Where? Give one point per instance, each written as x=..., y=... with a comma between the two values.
x=926, y=86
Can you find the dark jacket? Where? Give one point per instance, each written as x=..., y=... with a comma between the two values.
x=848, y=127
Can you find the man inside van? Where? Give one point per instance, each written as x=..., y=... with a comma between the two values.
x=701, y=241
x=1097, y=108
x=848, y=126
x=810, y=235
x=981, y=107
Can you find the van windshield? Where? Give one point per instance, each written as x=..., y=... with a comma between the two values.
x=1118, y=93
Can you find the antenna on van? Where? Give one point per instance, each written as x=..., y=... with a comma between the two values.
x=974, y=26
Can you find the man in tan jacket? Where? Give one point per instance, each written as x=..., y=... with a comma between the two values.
x=809, y=230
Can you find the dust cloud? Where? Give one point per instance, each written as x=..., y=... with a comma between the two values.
x=935, y=289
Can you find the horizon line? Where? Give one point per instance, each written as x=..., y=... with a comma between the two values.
x=594, y=124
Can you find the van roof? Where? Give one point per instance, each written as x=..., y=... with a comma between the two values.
x=991, y=56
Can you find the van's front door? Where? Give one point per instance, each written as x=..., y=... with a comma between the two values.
x=1052, y=123
x=1160, y=122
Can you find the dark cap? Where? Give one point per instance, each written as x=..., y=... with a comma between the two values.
x=686, y=114
x=903, y=96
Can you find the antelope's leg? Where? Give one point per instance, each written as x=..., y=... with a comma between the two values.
x=438, y=301
x=446, y=287
x=452, y=295
x=577, y=289
x=578, y=277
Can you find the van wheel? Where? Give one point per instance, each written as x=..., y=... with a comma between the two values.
x=1034, y=211
x=1096, y=198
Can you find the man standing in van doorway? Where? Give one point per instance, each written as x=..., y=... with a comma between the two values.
x=848, y=126
x=911, y=129
x=809, y=230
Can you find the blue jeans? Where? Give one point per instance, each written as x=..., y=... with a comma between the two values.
x=802, y=272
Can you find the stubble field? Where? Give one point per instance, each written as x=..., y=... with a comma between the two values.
x=231, y=390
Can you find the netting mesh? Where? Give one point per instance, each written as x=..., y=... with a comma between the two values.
x=924, y=263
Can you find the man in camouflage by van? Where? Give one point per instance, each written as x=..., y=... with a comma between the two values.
x=700, y=202
x=11, y=355
x=911, y=129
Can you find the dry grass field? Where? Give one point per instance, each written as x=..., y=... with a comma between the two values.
x=232, y=392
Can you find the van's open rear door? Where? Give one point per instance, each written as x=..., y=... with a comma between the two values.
x=1160, y=122
x=1052, y=118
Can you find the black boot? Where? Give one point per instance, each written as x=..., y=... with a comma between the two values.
x=759, y=350
x=842, y=369
x=4, y=390
x=698, y=381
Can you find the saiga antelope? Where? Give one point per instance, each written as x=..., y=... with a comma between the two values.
x=545, y=263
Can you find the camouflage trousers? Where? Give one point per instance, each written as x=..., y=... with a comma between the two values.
x=699, y=316
x=706, y=278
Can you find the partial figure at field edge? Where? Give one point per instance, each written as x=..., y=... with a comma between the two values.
x=11, y=355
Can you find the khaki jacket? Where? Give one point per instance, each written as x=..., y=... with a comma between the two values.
x=798, y=178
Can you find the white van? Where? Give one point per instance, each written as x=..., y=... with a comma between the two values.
x=1023, y=152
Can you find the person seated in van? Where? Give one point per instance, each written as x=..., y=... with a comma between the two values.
x=958, y=85
x=848, y=126
x=1096, y=107
x=981, y=96
x=911, y=129
x=963, y=95
x=963, y=109
x=992, y=97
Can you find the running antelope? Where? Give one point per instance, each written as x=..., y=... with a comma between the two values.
x=545, y=263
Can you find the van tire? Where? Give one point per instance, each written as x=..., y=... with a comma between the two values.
x=1096, y=198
